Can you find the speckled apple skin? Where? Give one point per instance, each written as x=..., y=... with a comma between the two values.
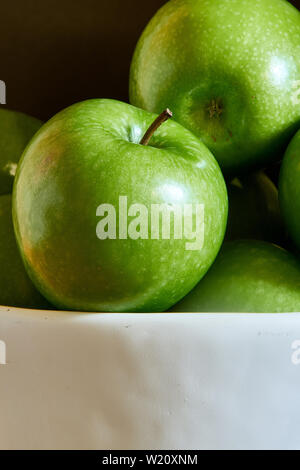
x=289, y=189
x=242, y=55
x=248, y=276
x=87, y=155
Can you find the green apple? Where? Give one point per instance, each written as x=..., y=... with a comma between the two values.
x=289, y=190
x=85, y=197
x=254, y=211
x=248, y=276
x=16, y=289
x=16, y=130
x=229, y=70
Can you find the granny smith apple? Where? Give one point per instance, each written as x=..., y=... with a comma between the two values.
x=289, y=189
x=254, y=210
x=16, y=130
x=116, y=210
x=16, y=289
x=248, y=276
x=230, y=72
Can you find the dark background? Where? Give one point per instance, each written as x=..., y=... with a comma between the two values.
x=56, y=52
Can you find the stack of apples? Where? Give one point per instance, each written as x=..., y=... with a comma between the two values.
x=121, y=207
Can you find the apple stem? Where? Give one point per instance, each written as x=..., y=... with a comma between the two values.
x=163, y=117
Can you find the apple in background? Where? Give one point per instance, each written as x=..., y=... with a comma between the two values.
x=16, y=289
x=16, y=130
x=77, y=175
x=229, y=70
x=254, y=211
x=248, y=276
x=289, y=190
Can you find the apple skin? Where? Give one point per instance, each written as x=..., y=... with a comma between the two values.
x=254, y=211
x=229, y=70
x=248, y=276
x=289, y=190
x=87, y=155
x=16, y=289
x=16, y=130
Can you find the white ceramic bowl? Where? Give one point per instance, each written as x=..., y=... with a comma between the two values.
x=161, y=381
